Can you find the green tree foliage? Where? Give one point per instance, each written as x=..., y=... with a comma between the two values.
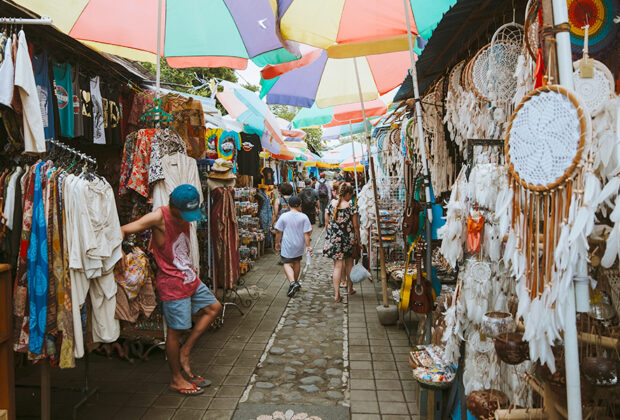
x=192, y=80
x=313, y=135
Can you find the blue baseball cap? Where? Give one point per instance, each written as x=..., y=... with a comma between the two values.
x=187, y=199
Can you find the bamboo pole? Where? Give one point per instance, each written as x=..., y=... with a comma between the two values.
x=371, y=162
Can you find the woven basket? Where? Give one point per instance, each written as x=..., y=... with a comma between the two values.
x=511, y=348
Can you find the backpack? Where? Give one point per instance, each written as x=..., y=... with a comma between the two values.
x=307, y=198
x=323, y=191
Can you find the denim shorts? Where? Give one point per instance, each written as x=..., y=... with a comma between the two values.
x=178, y=312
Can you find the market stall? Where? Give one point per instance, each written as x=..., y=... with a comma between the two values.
x=528, y=177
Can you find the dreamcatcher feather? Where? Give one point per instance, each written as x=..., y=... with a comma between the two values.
x=453, y=232
x=546, y=147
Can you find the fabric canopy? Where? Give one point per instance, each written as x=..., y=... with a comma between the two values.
x=129, y=29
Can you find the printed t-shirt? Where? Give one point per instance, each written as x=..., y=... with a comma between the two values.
x=111, y=113
x=87, y=106
x=267, y=176
x=64, y=95
x=293, y=225
x=78, y=121
x=248, y=160
x=97, y=101
x=44, y=89
x=176, y=278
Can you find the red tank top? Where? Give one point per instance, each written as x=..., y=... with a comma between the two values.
x=176, y=278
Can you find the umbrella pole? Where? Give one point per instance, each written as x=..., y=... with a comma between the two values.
x=158, y=58
x=357, y=191
x=371, y=162
x=418, y=112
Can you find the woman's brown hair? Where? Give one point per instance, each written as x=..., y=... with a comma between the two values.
x=344, y=189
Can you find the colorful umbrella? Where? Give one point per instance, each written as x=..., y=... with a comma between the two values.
x=244, y=106
x=339, y=131
x=355, y=28
x=337, y=115
x=195, y=33
x=330, y=81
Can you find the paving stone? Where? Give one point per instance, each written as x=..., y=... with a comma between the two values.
x=264, y=385
x=187, y=414
x=334, y=382
x=362, y=384
x=393, y=408
x=312, y=380
x=390, y=396
x=271, y=374
x=320, y=363
x=277, y=350
x=367, y=407
x=309, y=388
x=310, y=371
x=290, y=369
x=363, y=395
x=333, y=372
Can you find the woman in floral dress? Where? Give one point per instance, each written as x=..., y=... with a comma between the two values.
x=342, y=237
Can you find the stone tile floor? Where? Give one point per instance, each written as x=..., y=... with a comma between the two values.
x=376, y=384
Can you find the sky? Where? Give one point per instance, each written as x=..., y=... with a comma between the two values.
x=250, y=75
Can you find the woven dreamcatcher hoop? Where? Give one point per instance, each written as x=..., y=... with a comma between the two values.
x=544, y=145
x=532, y=28
x=504, y=52
x=594, y=91
x=455, y=77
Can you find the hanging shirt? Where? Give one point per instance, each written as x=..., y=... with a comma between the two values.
x=267, y=176
x=34, y=136
x=78, y=121
x=38, y=270
x=248, y=160
x=44, y=89
x=97, y=100
x=87, y=106
x=111, y=113
x=64, y=96
x=9, y=203
x=7, y=75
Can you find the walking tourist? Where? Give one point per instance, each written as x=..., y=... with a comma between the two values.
x=285, y=191
x=309, y=201
x=342, y=236
x=293, y=232
x=178, y=286
x=325, y=195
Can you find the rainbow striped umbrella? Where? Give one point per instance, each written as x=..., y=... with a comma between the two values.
x=195, y=33
x=331, y=81
x=355, y=28
x=337, y=115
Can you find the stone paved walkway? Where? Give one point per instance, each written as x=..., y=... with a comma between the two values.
x=364, y=376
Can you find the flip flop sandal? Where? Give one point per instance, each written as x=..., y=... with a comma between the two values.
x=352, y=292
x=188, y=392
x=199, y=381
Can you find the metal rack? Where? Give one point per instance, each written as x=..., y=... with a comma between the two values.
x=70, y=149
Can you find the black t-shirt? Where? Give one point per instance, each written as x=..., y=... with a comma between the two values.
x=111, y=113
x=248, y=160
x=267, y=176
x=87, y=106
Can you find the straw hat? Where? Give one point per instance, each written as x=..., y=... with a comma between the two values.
x=222, y=169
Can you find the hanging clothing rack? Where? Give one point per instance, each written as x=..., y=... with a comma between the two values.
x=79, y=154
x=44, y=20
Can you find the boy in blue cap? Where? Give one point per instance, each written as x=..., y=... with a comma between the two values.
x=178, y=286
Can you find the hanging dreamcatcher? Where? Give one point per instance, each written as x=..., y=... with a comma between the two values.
x=504, y=51
x=544, y=145
x=546, y=149
x=594, y=91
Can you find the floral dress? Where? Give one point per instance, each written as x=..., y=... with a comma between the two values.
x=340, y=239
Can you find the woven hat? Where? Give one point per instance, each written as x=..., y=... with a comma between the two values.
x=222, y=169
